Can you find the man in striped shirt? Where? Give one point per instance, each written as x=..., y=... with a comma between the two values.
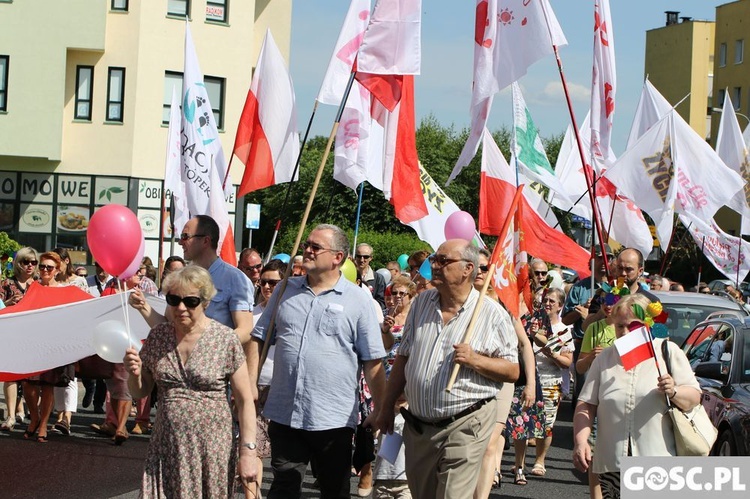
x=447, y=432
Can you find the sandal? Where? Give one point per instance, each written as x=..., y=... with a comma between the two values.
x=29, y=433
x=497, y=481
x=8, y=425
x=538, y=470
x=520, y=479
x=63, y=427
x=41, y=439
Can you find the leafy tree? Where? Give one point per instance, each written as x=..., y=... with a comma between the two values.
x=8, y=248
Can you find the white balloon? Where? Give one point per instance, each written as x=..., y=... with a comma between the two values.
x=111, y=339
x=386, y=274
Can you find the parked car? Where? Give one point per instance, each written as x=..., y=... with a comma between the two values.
x=687, y=309
x=719, y=351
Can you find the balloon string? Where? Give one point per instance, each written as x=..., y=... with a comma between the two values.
x=124, y=305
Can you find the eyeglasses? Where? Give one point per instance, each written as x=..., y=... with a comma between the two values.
x=269, y=282
x=549, y=300
x=441, y=260
x=189, y=301
x=363, y=257
x=47, y=268
x=185, y=236
x=540, y=272
x=315, y=248
x=253, y=267
x=29, y=262
x=484, y=268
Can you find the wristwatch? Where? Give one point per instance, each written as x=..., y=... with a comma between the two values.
x=250, y=445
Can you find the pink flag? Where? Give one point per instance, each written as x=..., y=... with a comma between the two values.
x=509, y=36
x=344, y=53
x=634, y=347
x=604, y=78
x=392, y=43
x=721, y=249
x=267, y=141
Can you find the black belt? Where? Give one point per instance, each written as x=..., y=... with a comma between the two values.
x=442, y=423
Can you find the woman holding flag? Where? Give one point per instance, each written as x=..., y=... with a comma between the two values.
x=622, y=379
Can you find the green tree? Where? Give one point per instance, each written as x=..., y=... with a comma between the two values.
x=8, y=248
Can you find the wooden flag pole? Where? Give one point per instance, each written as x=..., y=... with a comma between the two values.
x=469, y=334
x=303, y=224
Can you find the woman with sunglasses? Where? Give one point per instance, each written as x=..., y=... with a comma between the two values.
x=39, y=386
x=11, y=292
x=270, y=276
x=192, y=359
x=403, y=291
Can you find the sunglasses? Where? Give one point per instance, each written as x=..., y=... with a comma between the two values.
x=254, y=267
x=484, y=268
x=315, y=248
x=185, y=236
x=441, y=260
x=269, y=282
x=47, y=268
x=364, y=257
x=189, y=301
x=29, y=262
x=540, y=272
x=399, y=293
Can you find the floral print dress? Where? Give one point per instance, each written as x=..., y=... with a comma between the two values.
x=191, y=452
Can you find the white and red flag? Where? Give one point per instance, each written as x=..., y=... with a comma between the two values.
x=731, y=148
x=267, y=141
x=172, y=169
x=729, y=254
x=509, y=36
x=671, y=169
x=496, y=189
x=345, y=53
x=634, y=347
x=203, y=169
x=392, y=43
x=604, y=79
x=392, y=103
x=509, y=256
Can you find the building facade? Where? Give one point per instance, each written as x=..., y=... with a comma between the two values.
x=85, y=92
x=679, y=63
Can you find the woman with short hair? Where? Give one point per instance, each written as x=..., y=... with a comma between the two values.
x=192, y=359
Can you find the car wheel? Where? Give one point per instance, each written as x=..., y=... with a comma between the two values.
x=725, y=446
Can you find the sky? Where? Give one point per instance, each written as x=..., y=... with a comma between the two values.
x=444, y=87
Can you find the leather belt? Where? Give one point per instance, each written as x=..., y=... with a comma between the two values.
x=442, y=423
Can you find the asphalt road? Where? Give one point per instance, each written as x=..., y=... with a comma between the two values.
x=86, y=465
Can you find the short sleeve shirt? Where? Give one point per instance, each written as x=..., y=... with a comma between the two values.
x=320, y=341
x=234, y=292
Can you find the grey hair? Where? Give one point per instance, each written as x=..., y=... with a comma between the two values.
x=537, y=260
x=192, y=275
x=558, y=293
x=470, y=254
x=365, y=245
x=339, y=241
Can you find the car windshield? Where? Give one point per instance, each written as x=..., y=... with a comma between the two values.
x=683, y=318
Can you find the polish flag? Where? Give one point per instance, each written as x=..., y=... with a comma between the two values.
x=267, y=141
x=604, y=80
x=635, y=346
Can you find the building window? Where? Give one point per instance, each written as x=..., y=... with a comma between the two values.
x=216, y=10
x=84, y=91
x=737, y=98
x=722, y=55
x=722, y=96
x=119, y=5
x=214, y=89
x=115, y=91
x=4, y=63
x=179, y=8
x=739, y=51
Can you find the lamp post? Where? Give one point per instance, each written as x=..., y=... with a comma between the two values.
x=719, y=110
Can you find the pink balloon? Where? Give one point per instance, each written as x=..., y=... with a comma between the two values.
x=114, y=237
x=135, y=264
x=460, y=225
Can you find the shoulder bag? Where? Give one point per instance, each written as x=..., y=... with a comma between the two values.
x=694, y=433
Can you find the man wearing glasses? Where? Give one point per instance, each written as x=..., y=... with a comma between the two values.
x=446, y=434
x=375, y=281
x=322, y=334
x=250, y=263
x=538, y=274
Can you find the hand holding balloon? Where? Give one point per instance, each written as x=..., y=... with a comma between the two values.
x=133, y=361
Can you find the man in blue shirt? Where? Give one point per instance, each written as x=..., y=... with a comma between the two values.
x=325, y=327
